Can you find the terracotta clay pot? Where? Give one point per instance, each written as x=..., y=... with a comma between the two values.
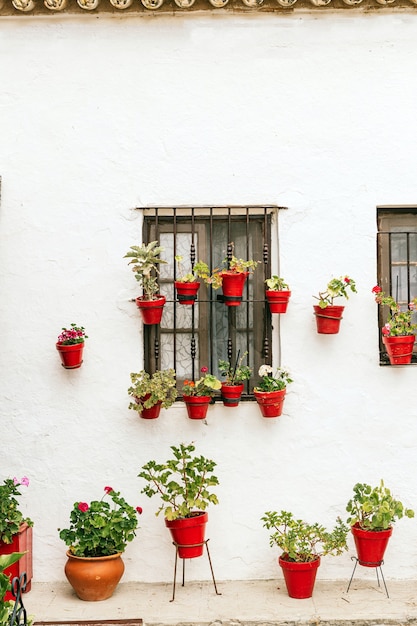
x=231, y=394
x=270, y=402
x=277, y=300
x=94, y=578
x=197, y=406
x=299, y=577
x=232, y=286
x=71, y=356
x=151, y=310
x=328, y=319
x=370, y=545
x=187, y=292
x=21, y=542
x=189, y=532
x=399, y=349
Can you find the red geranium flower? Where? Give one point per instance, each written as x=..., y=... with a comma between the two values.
x=376, y=289
x=108, y=489
x=139, y=510
x=83, y=506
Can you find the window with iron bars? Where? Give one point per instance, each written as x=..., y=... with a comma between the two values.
x=397, y=262
x=192, y=337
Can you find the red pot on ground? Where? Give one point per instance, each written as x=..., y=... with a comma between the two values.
x=328, y=319
x=399, y=349
x=94, y=578
x=71, y=356
x=21, y=542
x=232, y=285
x=151, y=310
x=299, y=577
x=278, y=300
x=187, y=292
x=197, y=406
x=189, y=532
x=231, y=394
x=370, y=545
x=270, y=402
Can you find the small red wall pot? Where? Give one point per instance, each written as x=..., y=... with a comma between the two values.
x=151, y=413
x=94, y=578
x=71, y=356
x=151, y=310
x=231, y=394
x=232, y=286
x=187, y=292
x=277, y=300
x=370, y=545
x=328, y=319
x=270, y=402
x=21, y=542
x=399, y=349
x=299, y=577
x=188, y=533
x=197, y=406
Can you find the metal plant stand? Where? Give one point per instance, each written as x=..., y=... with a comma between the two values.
x=177, y=545
x=18, y=616
x=374, y=565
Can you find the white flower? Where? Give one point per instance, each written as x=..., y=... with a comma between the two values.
x=265, y=370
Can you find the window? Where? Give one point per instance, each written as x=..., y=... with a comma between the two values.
x=397, y=260
x=190, y=337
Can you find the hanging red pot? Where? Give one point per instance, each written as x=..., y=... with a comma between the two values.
x=21, y=542
x=187, y=292
x=328, y=319
x=153, y=411
x=277, y=300
x=399, y=349
x=197, y=406
x=189, y=534
x=270, y=402
x=71, y=356
x=299, y=577
x=231, y=394
x=232, y=285
x=151, y=310
x=370, y=545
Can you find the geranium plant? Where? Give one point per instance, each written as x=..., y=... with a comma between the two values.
x=399, y=322
x=11, y=517
x=149, y=389
x=183, y=482
x=336, y=288
x=272, y=380
x=275, y=283
x=235, y=265
x=375, y=508
x=235, y=373
x=73, y=335
x=145, y=260
x=101, y=528
x=6, y=606
x=199, y=270
x=206, y=385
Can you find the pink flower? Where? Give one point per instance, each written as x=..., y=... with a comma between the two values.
x=16, y=481
x=83, y=506
x=386, y=329
x=25, y=481
x=376, y=289
x=139, y=510
x=204, y=370
x=108, y=489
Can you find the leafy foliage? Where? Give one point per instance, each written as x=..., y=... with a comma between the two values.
x=399, y=322
x=207, y=385
x=235, y=373
x=275, y=283
x=71, y=336
x=145, y=260
x=302, y=542
x=374, y=508
x=199, y=270
x=336, y=288
x=6, y=607
x=10, y=515
x=182, y=482
x=160, y=386
x=272, y=382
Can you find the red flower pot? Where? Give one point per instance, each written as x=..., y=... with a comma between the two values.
x=187, y=292
x=94, y=578
x=278, y=300
x=299, y=577
x=231, y=394
x=151, y=310
x=370, y=545
x=232, y=285
x=270, y=402
x=151, y=413
x=328, y=319
x=399, y=349
x=71, y=356
x=21, y=542
x=189, y=534
x=197, y=406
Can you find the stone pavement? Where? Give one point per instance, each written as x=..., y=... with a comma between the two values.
x=241, y=603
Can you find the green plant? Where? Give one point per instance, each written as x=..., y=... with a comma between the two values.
x=199, y=270
x=6, y=606
x=158, y=387
x=99, y=528
x=399, y=322
x=270, y=381
x=10, y=516
x=71, y=336
x=275, y=283
x=182, y=482
x=207, y=385
x=145, y=260
x=235, y=373
x=235, y=265
x=303, y=542
x=374, y=508
x=336, y=288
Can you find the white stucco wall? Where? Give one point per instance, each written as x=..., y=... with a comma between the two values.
x=102, y=114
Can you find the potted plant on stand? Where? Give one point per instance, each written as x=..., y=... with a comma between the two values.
x=197, y=395
x=302, y=546
x=232, y=278
x=329, y=315
x=235, y=374
x=277, y=294
x=184, y=484
x=96, y=538
x=152, y=392
x=15, y=531
x=270, y=391
x=187, y=284
x=70, y=346
x=399, y=333
x=145, y=260
x=373, y=511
